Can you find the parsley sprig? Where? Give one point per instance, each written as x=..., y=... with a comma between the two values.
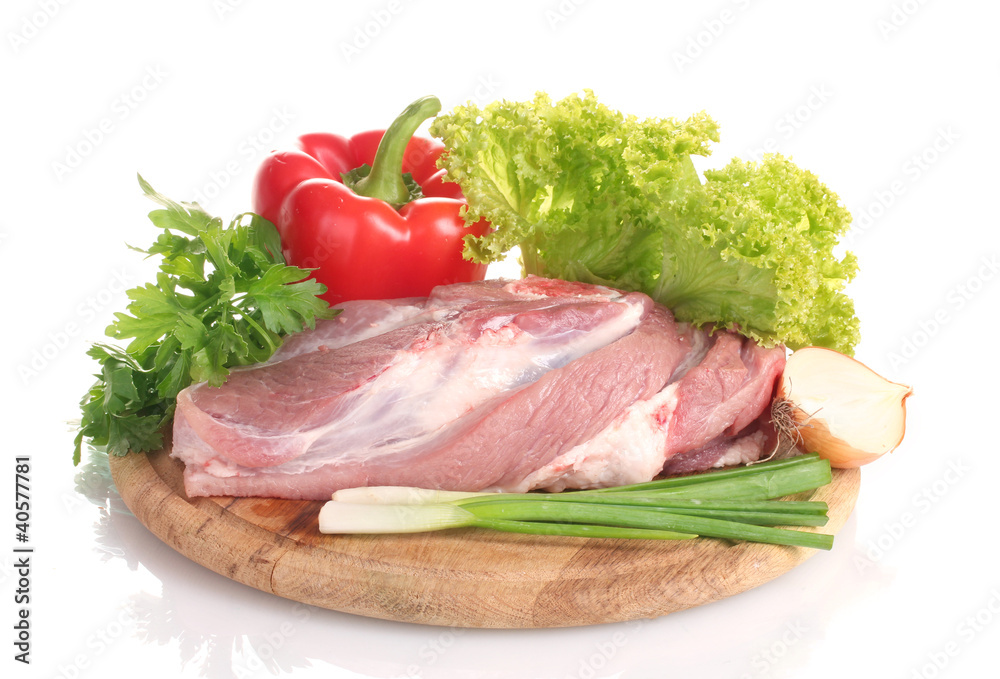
x=223, y=297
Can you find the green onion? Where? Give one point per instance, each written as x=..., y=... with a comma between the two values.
x=579, y=530
x=718, y=474
x=739, y=503
x=757, y=518
x=653, y=500
x=645, y=517
x=346, y=517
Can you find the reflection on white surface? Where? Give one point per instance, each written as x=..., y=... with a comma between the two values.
x=220, y=629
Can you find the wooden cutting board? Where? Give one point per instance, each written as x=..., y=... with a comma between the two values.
x=465, y=577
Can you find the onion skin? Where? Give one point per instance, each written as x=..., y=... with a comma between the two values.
x=817, y=438
x=834, y=405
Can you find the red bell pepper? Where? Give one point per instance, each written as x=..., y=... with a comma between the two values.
x=370, y=213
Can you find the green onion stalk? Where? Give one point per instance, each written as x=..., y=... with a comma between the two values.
x=745, y=503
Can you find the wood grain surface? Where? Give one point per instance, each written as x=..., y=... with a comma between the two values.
x=465, y=577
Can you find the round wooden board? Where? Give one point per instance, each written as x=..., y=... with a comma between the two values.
x=465, y=578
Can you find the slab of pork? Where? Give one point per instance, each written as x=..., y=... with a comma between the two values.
x=506, y=385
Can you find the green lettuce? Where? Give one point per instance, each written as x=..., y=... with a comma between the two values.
x=589, y=194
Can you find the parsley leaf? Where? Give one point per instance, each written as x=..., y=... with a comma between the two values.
x=223, y=297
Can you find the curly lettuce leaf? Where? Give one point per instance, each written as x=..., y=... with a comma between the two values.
x=781, y=220
x=593, y=195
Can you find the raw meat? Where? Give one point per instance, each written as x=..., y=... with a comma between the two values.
x=505, y=385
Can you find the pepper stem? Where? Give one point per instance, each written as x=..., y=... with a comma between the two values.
x=385, y=181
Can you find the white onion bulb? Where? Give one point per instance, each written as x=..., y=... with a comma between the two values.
x=838, y=407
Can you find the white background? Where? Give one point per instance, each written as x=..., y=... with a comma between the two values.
x=893, y=103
